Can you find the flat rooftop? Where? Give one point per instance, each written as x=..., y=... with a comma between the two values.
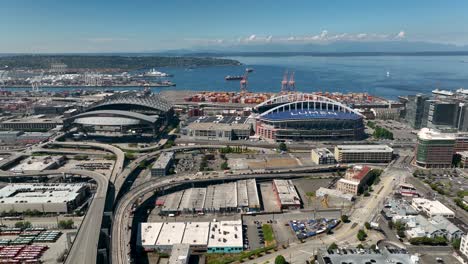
x=171, y=233
x=218, y=126
x=36, y=193
x=149, y=233
x=252, y=192
x=225, y=234
x=163, y=160
x=367, y=256
x=364, y=148
x=179, y=254
x=322, y=152
x=193, y=198
x=172, y=201
x=218, y=119
x=221, y=196
x=431, y=134
x=433, y=207
x=287, y=192
x=196, y=233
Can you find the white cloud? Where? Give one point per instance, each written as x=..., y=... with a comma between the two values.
x=401, y=35
x=323, y=37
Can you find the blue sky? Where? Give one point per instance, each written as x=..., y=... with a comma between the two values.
x=96, y=26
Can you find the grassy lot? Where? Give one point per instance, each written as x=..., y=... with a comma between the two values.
x=269, y=235
x=216, y=258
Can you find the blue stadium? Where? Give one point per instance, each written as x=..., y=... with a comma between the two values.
x=310, y=118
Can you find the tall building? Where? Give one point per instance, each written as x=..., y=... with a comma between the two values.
x=464, y=245
x=440, y=114
x=415, y=109
x=434, y=149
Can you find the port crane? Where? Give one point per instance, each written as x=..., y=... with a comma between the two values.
x=244, y=82
x=288, y=85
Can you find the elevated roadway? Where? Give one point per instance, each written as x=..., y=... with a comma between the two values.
x=121, y=233
x=85, y=245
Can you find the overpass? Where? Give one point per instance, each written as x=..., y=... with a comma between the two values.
x=85, y=246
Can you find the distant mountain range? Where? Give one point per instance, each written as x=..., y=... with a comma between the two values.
x=330, y=49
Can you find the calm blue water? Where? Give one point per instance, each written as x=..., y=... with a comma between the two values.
x=408, y=75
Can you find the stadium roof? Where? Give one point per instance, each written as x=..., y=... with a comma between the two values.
x=113, y=117
x=309, y=114
x=151, y=101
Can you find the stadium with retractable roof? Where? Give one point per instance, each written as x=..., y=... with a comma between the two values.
x=124, y=114
x=299, y=117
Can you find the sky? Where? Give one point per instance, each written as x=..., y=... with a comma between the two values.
x=35, y=26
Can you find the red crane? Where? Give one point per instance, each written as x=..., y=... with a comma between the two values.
x=244, y=82
x=292, y=83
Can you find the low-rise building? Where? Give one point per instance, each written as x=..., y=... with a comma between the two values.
x=148, y=235
x=322, y=156
x=171, y=233
x=42, y=197
x=354, y=181
x=321, y=192
x=432, y=208
x=39, y=163
x=286, y=194
x=217, y=131
x=31, y=123
x=438, y=226
x=356, y=255
x=225, y=237
x=464, y=245
x=162, y=164
x=363, y=153
x=180, y=254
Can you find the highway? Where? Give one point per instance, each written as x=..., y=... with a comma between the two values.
x=121, y=234
x=85, y=245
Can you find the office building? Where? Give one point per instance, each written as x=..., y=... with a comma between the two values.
x=434, y=149
x=354, y=180
x=162, y=165
x=322, y=156
x=440, y=114
x=415, y=110
x=363, y=153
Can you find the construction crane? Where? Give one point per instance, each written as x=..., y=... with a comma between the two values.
x=244, y=82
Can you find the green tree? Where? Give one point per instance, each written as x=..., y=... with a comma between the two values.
x=333, y=246
x=23, y=224
x=456, y=243
x=367, y=225
x=65, y=224
x=283, y=147
x=224, y=166
x=345, y=219
x=361, y=235
x=280, y=260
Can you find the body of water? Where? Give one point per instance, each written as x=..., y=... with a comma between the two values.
x=406, y=74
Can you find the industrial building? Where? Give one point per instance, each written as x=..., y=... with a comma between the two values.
x=286, y=194
x=354, y=180
x=39, y=163
x=222, y=129
x=162, y=164
x=322, y=156
x=46, y=198
x=123, y=114
x=363, y=153
x=240, y=196
x=21, y=137
x=31, y=123
x=432, y=208
x=213, y=237
x=308, y=117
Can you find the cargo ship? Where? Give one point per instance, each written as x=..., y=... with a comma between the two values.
x=233, y=78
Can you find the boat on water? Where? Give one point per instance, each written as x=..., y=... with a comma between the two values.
x=154, y=73
x=162, y=84
x=249, y=69
x=233, y=77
